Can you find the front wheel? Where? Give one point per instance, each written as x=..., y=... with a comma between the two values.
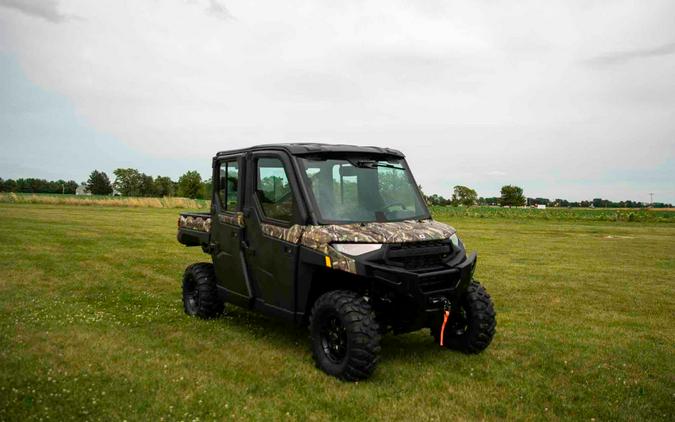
x=200, y=294
x=345, y=336
x=471, y=325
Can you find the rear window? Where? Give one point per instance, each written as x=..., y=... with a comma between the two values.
x=228, y=185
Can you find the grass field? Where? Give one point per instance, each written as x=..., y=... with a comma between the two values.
x=91, y=327
x=102, y=200
x=655, y=215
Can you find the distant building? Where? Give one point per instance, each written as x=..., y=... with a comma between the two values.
x=541, y=206
x=82, y=190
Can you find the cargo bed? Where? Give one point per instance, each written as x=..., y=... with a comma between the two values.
x=194, y=228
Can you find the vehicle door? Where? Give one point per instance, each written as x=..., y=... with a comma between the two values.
x=228, y=227
x=272, y=218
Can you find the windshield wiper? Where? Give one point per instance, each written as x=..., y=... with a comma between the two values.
x=368, y=164
x=390, y=166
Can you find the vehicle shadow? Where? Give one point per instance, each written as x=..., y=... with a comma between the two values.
x=276, y=331
x=417, y=345
x=414, y=346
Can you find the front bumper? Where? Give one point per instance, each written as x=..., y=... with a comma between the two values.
x=424, y=287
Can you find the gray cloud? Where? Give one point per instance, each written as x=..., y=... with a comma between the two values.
x=467, y=92
x=45, y=9
x=620, y=57
x=219, y=10
x=304, y=85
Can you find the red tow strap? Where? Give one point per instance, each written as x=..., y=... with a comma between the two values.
x=446, y=315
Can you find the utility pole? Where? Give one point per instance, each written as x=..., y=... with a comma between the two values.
x=651, y=199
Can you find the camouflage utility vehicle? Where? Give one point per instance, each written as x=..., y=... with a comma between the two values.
x=338, y=238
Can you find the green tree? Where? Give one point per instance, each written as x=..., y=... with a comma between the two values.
x=10, y=185
x=190, y=185
x=70, y=187
x=207, y=189
x=512, y=196
x=147, y=187
x=463, y=195
x=128, y=182
x=598, y=203
x=99, y=183
x=164, y=186
x=437, y=199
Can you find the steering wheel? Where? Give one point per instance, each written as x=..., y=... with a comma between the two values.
x=395, y=204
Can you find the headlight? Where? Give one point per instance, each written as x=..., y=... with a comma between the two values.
x=455, y=240
x=356, y=249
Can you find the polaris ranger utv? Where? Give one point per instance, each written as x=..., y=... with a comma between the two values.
x=339, y=238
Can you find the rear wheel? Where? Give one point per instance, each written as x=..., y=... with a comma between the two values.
x=345, y=336
x=471, y=325
x=200, y=295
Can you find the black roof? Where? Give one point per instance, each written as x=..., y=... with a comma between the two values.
x=316, y=148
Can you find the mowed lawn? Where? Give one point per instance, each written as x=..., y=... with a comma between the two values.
x=92, y=327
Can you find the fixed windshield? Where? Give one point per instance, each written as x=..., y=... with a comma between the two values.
x=353, y=190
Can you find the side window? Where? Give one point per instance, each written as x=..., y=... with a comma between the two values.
x=228, y=185
x=274, y=190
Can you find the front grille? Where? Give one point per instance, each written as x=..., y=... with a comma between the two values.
x=438, y=283
x=416, y=256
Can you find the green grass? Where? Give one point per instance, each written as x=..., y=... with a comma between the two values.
x=655, y=215
x=91, y=327
x=103, y=200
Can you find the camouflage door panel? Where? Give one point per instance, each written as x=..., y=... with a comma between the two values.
x=233, y=219
x=294, y=234
x=291, y=234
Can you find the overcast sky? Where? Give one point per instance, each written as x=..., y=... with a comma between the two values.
x=567, y=99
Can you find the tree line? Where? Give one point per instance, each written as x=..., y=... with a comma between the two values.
x=32, y=185
x=513, y=196
x=127, y=182
x=131, y=182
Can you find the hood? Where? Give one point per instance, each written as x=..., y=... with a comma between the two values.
x=392, y=232
x=320, y=237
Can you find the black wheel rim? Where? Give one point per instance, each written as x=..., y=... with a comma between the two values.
x=459, y=323
x=191, y=297
x=333, y=338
